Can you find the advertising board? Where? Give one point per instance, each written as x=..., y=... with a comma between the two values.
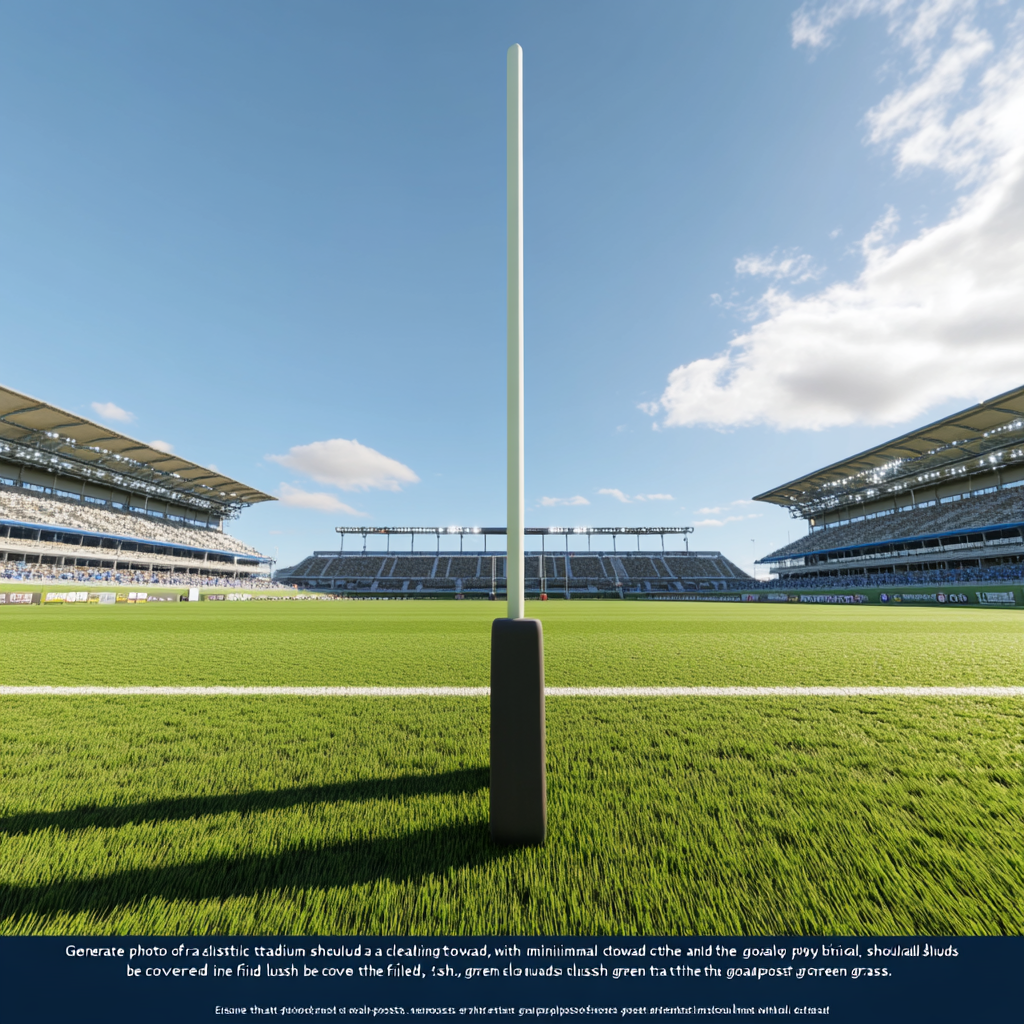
x=951, y=598
x=948, y=596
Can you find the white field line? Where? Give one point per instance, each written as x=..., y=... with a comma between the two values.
x=484, y=691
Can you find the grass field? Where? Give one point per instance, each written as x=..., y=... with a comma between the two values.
x=301, y=815
x=439, y=643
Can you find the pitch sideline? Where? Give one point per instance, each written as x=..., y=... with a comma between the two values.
x=484, y=691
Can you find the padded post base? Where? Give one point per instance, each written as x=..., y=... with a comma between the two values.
x=519, y=812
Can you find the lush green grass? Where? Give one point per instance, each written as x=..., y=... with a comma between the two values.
x=613, y=643
x=667, y=815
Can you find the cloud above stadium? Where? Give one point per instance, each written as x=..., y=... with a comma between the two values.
x=112, y=413
x=319, y=501
x=727, y=519
x=618, y=495
x=934, y=318
x=798, y=267
x=347, y=465
x=162, y=446
x=576, y=499
x=717, y=509
x=732, y=508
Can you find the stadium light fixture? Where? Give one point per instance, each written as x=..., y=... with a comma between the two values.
x=518, y=768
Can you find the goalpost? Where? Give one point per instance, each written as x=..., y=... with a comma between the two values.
x=518, y=757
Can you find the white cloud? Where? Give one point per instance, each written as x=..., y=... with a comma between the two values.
x=916, y=117
x=791, y=266
x=318, y=500
x=915, y=23
x=929, y=320
x=213, y=467
x=347, y=465
x=725, y=519
x=162, y=446
x=725, y=508
x=577, y=499
x=112, y=413
x=614, y=492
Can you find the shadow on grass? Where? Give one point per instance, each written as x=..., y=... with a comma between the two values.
x=309, y=866
x=465, y=780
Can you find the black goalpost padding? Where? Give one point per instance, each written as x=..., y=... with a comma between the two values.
x=518, y=777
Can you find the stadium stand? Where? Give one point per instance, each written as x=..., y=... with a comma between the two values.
x=139, y=576
x=942, y=504
x=958, y=513
x=81, y=501
x=554, y=567
x=586, y=566
x=699, y=566
x=589, y=573
x=416, y=566
x=461, y=567
x=26, y=506
x=850, y=579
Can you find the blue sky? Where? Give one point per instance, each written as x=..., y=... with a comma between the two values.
x=759, y=237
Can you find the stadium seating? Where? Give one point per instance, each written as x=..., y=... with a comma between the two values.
x=586, y=566
x=460, y=567
x=41, y=573
x=415, y=566
x=640, y=568
x=359, y=566
x=696, y=567
x=38, y=509
x=969, y=513
x=554, y=567
x=438, y=584
x=1008, y=572
x=589, y=572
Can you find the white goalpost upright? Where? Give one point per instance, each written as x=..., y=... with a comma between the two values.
x=515, y=570
x=518, y=755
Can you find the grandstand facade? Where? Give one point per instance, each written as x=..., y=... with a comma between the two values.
x=943, y=503
x=81, y=501
x=556, y=573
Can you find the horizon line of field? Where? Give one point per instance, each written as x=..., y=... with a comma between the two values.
x=484, y=691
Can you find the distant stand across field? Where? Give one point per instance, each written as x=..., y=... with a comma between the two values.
x=590, y=575
x=578, y=574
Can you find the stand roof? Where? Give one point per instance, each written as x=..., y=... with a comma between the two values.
x=984, y=437
x=44, y=436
